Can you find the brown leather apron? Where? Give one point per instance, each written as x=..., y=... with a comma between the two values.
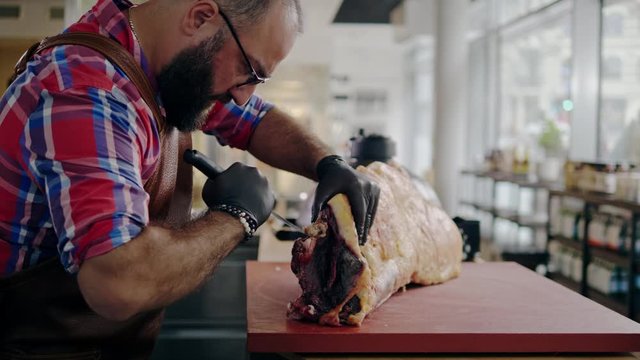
x=43, y=314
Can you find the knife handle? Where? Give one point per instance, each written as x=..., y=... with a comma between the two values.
x=202, y=163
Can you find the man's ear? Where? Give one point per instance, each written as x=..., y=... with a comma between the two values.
x=200, y=15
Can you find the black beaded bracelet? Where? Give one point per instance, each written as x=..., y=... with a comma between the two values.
x=327, y=162
x=248, y=221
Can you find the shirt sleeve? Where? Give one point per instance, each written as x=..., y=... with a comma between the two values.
x=232, y=124
x=84, y=149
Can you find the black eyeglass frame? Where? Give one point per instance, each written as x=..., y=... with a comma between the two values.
x=254, y=78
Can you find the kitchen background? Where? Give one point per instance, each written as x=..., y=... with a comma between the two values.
x=522, y=114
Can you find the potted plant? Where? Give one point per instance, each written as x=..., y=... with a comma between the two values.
x=550, y=141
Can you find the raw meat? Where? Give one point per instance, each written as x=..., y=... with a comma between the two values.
x=411, y=241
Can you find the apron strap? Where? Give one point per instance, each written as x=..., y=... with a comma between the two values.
x=112, y=50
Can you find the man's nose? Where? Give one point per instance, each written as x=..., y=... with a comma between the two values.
x=241, y=95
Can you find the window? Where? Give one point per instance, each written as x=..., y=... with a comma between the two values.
x=612, y=68
x=612, y=24
x=529, y=75
x=56, y=13
x=511, y=10
x=612, y=126
x=535, y=76
x=419, y=105
x=620, y=86
x=9, y=11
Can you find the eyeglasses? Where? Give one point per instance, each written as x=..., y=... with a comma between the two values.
x=254, y=78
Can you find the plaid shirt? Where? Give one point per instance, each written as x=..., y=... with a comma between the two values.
x=76, y=146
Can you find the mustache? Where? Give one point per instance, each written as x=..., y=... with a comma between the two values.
x=223, y=98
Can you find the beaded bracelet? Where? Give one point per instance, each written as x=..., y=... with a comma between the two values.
x=247, y=220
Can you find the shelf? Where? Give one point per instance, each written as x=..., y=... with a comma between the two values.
x=522, y=180
x=570, y=243
x=520, y=249
x=484, y=208
x=556, y=189
x=506, y=214
x=496, y=175
x=529, y=221
x=535, y=184
x=511, y=215
x=528, y=257
x=471, y=172
x=565, y=281
x=621, y=260
x=597, y=198
x=615, y=303
x=609, y=255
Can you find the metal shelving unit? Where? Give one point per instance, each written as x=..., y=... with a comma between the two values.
x=601, y=253
x=615, y=303
x=527, y=256
x=627, y=305
x=525, y=221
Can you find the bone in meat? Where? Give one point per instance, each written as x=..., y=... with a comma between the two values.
x=411, y=241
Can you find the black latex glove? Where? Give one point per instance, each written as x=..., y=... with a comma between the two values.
x=335, y=176
x=243, y=187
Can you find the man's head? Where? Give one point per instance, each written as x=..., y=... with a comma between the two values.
x=202, y=61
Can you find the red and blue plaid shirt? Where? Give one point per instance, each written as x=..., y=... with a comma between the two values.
x=76, y=146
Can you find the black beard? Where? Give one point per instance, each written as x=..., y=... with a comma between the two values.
x=186, y=84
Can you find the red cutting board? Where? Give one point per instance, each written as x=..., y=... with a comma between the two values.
x=491, y=307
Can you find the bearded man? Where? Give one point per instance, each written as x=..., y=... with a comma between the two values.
x=95, y=232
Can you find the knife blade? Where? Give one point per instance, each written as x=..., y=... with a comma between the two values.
x=287, y=222
x=211, y=170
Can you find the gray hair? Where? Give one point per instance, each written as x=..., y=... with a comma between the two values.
x=244, y=13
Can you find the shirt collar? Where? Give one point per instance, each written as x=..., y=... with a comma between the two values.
x=107, y=18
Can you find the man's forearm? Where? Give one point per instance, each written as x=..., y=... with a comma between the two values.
x=279, y=141
x=158, y=267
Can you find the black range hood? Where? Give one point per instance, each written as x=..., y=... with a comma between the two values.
x=365, y=11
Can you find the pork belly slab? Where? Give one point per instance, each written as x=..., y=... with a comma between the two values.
x=411, y=241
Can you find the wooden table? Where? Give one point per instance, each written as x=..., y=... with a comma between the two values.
x=491, y=308
x=559, y=356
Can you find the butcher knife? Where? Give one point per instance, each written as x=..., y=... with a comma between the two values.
x=211, y=170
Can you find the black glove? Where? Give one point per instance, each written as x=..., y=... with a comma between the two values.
x=241, y=187
x=335, y=176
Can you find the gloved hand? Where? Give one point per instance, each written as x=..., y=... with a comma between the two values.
x=242, y=187
x=335, y=176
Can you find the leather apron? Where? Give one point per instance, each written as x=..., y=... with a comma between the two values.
x=43, y=314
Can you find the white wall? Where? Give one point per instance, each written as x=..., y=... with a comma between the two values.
x=315, y=45
x=368, y=55
x=34, y=21
x=76, y=8
x=371, y=60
